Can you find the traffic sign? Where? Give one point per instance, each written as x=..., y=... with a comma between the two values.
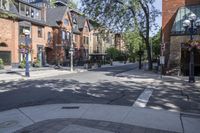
x=162, y=60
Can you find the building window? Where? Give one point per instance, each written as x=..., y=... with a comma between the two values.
x=27, y=11
x=22, y=9
x=86, y=29
x=74, y=21
x=49, y=35
x=32, y=13
x=40, y=32
x=66, y=22
x=86, y=40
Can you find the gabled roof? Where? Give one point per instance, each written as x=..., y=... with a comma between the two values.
x=55, y=14
x=13, y=11
x=80, y=19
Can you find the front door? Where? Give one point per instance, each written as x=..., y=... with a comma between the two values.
x=40, y=55
x=185, y=60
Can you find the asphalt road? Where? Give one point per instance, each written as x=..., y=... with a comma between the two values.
x=96, y=86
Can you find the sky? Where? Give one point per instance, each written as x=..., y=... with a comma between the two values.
x=157, y=4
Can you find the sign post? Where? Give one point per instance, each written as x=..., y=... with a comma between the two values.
x=162, y=58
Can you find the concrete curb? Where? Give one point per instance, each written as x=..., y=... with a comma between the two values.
x=149, y=118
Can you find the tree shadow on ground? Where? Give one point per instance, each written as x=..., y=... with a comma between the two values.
x=174, y=95
x=37, y=92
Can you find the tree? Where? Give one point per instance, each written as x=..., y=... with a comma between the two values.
x=132, y=42
x=121, y=15
x=156, y=41
x=72, y=4
x=113, y=53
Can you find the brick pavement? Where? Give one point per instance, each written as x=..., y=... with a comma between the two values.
x=57, y=125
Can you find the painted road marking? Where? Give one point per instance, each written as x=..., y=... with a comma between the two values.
x=143, y=99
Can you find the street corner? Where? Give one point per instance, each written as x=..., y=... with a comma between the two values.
x=13, y=120
x=191, y=123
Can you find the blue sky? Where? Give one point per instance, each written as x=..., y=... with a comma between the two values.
x=158, y=5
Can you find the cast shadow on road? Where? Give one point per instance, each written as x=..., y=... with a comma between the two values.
x=169, y=95
x=37, y=92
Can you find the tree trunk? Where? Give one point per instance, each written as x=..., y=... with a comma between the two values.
x=150, y=65
x=140, y=61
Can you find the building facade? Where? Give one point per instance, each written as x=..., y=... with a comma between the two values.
x=52, y=31
x=173, y=34
x=19, y=16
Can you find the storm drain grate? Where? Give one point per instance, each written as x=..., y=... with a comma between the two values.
x=71, y=107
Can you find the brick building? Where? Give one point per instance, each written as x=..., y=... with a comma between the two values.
x=15, y=17
x=174, y=12
x=59, y=43
x=50, y=29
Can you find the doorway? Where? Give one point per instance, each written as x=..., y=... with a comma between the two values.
x=185, y=60
x=40, y=54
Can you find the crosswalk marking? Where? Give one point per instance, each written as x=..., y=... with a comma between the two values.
x=143, y=99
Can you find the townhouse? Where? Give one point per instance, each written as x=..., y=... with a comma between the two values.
x=15, y=17
x=53, y=31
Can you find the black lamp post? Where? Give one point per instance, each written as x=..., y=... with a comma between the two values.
x=191, y=24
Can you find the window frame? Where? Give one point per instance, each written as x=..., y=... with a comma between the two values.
x=40, y=32
x=66, y=20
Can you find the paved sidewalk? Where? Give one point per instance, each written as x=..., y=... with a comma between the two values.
x=95, y=118
x=17, y=74
x=171, y=92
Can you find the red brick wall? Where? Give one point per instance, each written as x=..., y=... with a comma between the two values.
x=169, y=10
x=9, y=35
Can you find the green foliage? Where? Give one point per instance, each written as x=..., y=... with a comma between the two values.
x=22, y=64
x=112, y=53
x=122, y=15
x=72, y=4
x=156, y=41
x=115, y=54
x=37, y=63
x=133, y=43
x=1, y=64
x=52, y=2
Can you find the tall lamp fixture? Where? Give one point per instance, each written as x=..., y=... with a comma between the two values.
x=27, y=43
x=191, y=24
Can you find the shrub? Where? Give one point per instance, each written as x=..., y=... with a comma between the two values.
x=37, y=63
x=22, y=64
x=1, y=64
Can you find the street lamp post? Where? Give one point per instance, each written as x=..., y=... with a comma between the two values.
x=27, y=42
x=71, y=52
x=191, y=24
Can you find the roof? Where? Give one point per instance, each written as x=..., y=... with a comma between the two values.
x=21, y=1
x=182, y=14
x=80, y=19
x=55, y=14
x=14, y=12
x=81, y=22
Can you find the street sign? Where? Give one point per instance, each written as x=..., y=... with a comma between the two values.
x=162, y=60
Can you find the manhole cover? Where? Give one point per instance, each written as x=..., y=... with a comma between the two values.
x=7, y=124
x=71, y=107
